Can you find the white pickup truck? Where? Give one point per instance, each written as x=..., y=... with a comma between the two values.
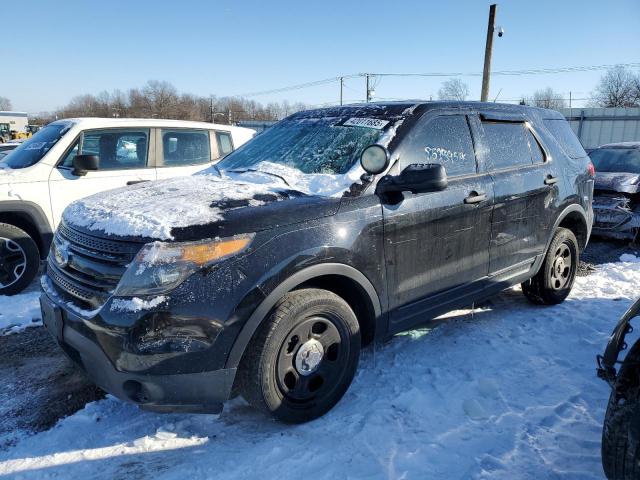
x=73, y=158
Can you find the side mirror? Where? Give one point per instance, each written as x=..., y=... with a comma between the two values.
x=374, y=159
x=416, y=178
x=84, y=163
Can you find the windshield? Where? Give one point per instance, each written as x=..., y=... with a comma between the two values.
x=31, y=151
x=616, y=159
x=327, y=145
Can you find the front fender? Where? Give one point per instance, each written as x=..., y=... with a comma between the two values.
x=288, y=284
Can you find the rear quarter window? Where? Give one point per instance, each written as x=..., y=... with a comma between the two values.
x=568, y=140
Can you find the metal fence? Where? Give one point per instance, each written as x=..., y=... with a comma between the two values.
x=258, y=125
x=597, y=126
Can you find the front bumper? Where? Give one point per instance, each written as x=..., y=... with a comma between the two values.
x=615, y=217
x=164, y=384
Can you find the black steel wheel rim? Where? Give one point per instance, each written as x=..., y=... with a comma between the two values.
x=299, y=386
x=13, y=262
x=562, y=267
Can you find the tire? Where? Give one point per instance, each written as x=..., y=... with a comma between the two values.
x=553, y=283
x=285, y=373
x=621, y=430
x=19, y=259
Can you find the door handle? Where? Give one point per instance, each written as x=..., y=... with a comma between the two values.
x=475, y=197
x=550, y=180
x=133, y=182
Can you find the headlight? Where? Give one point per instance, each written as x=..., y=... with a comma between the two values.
x=160, y=266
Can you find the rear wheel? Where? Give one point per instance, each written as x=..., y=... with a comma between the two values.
x=553, y=283
x=19, y=259
x=621, y=431
x=304, y=357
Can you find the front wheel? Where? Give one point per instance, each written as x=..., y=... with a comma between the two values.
x=19, y=259
x=303, y=359
x=553, y=283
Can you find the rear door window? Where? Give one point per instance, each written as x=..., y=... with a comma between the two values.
x=566, y=138
x=225, y=144
x=185, y=147
x=445, y=140
x=508, y=144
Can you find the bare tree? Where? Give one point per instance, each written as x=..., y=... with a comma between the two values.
x=546, y=98
x=5, y=103
x=453, y=89
x=160, y=99
x=636, y=88
x=617, y=88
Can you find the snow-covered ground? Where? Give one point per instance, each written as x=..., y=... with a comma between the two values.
x=508, y=391
x=20, y=311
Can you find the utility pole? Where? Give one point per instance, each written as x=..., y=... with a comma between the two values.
x=370, y=91
x=488, y=51
x=367, y=86
x=341, y=86
x=211, y=107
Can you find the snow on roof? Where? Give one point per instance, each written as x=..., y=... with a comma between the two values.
x=98, y=122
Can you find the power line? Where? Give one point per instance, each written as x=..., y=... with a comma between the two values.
x=534, y=71
x=300, y=85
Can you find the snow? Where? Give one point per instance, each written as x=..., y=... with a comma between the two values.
x=136, y=304
x=154, y=209
x=19, y=312
x=322, y=184
x=505, y=391
x=627, y=257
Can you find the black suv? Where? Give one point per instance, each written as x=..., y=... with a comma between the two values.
x=265, y=274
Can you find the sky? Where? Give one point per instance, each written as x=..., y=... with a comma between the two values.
x=57, y=50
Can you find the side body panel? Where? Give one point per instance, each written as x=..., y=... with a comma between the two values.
x=436, y=243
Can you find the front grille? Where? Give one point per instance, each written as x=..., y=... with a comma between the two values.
x=91, y=266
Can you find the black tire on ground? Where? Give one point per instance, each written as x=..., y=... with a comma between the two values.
x=303, y=358
x=553, y=283
x=621, y=430
x=19, y=259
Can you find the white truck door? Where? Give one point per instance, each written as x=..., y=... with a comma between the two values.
x=123, y=160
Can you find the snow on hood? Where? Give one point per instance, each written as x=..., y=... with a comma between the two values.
x=618, y=181
x=321, y=184
x=154, y=209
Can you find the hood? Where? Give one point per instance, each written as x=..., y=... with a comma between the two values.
x=196, y=207
x=35, y=173
x=623, y=182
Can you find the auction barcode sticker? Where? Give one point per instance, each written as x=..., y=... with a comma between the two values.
x=376, y=123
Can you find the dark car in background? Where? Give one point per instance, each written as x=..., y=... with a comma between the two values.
x=266, y=274
x=621, y=431
x=616, y=202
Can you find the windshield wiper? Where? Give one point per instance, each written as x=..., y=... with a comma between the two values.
x=254, y=170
